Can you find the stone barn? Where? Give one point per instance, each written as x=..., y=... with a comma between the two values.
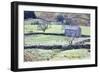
x=72, y=31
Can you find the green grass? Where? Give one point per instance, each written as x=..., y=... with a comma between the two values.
x=72, y=54
x=54, y=29
x=85, y=30
x=37, y=54
x=51, y=29
x=49, y=39
x=46, y=39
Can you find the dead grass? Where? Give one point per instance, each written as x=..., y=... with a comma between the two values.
x=28, y=56
x=55, y=54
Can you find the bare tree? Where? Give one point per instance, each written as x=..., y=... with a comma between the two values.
x=43, y=27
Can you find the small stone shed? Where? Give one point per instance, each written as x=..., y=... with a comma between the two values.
x=72, y=31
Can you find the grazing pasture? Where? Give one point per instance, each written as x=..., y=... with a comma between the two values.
x=53, y=35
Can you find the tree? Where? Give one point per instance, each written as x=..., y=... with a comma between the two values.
x=70, y=40
x=29, y=14
x=43, y=27
x=60, y=18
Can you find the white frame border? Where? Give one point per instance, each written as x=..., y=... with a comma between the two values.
x=22, y=64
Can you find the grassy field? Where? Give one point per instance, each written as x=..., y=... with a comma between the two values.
x=38, y=54
x=85, y=30
x=55, y=54
x=49, y=39
x=53, y=29
x=46, y=40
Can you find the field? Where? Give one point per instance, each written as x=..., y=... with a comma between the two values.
x=49, y=39
x=53, y=29
x=39, y=54
x=55, y=54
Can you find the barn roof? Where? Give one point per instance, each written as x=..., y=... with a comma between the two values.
x=71, y=27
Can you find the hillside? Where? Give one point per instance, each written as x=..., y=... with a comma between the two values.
x=76, y=18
